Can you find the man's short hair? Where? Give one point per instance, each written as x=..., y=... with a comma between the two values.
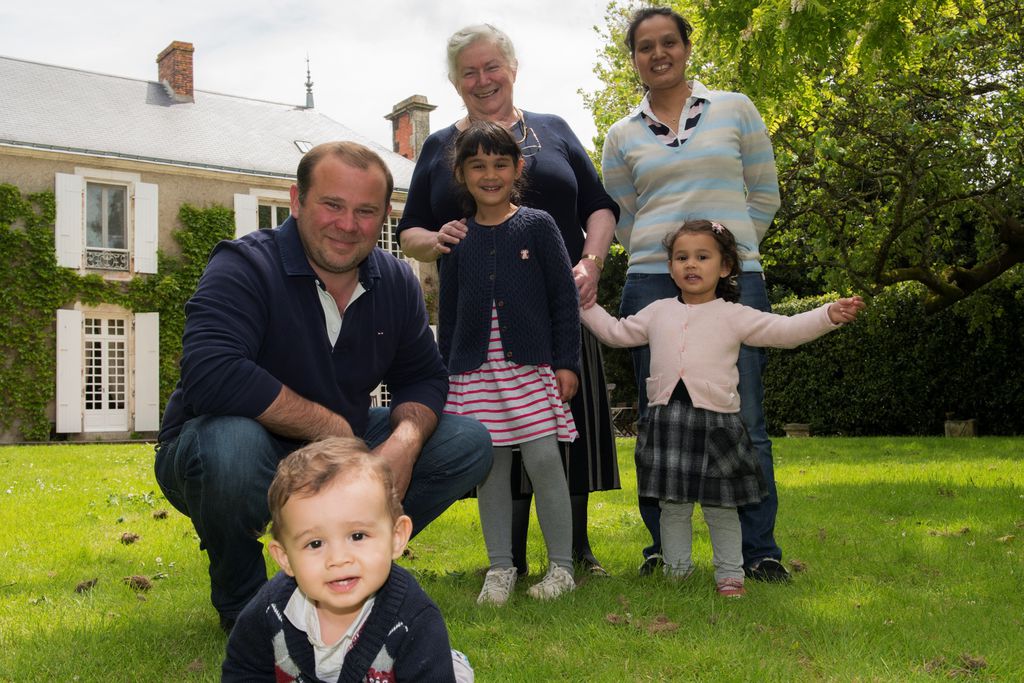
x=312, y=468
x=352, y=153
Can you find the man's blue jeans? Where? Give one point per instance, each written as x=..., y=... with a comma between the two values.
x=219, y=468
x=757, y=521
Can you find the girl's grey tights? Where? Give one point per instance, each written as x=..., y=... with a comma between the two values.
x=543, y=462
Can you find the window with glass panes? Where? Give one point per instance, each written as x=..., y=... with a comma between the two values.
x=271, y=215
x=380, y=396
x=106, y=373
x=389, y=237
x=106, y=226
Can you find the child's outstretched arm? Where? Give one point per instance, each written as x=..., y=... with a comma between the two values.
x=845, y=310
x=612, y=331
x=758, y=328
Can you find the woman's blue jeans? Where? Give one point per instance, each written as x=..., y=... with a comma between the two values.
x=219, y=468
x=757, y=521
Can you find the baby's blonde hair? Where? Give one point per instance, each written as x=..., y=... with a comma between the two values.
x=311, y=468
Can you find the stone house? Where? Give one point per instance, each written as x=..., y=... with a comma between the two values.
x=121, y=156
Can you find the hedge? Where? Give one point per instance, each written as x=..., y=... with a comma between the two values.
x=898, y=371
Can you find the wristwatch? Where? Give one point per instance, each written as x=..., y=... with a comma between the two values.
x=598, y=261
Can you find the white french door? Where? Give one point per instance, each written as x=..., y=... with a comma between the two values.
x=106, y=375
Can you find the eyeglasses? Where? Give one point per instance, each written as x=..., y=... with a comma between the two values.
x=529, y=144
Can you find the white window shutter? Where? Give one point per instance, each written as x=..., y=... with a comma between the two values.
x=68, y=229
x=147, y=372
x=246, y=214
x=69, y=371
x=147, y=222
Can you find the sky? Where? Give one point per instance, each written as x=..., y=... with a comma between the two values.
x=365, y=55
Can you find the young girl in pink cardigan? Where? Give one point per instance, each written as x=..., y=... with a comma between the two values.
x=693, y=447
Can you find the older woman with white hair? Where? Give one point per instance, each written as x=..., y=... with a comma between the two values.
x=561, y=180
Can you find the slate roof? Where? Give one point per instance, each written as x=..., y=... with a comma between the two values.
x=60, y=108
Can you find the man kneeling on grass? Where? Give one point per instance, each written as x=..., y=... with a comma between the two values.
x=340, y=609
x=285, y=338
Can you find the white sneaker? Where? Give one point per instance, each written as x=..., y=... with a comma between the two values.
x=558, y=580
x=498, y=585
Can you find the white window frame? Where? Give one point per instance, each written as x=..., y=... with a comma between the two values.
x=247, y=208
x=142, y=217
x=107, y=192
x=275, y=213
x=388, y=240
x=110, y=372
x=381, y=395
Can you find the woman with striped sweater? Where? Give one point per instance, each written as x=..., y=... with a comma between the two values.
x=689, y=152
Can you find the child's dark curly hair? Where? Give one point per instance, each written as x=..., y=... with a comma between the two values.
x=489, y=138
x=728, y=287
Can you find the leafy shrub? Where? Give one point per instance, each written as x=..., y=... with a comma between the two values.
x=899, y=371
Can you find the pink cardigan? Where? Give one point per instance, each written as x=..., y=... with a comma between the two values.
x=700, y=344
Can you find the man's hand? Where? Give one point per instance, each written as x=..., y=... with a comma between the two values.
x=401, y=461
x=411, y=426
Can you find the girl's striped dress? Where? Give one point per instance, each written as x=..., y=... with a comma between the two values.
x=516, y=403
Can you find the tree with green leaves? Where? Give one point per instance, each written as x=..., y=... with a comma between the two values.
x=898, y=128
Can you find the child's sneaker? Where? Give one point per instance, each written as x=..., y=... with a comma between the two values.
x=558, y=580
x=731, y=588
x=498, y=585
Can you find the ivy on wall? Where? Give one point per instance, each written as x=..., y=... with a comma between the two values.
x=33, y=287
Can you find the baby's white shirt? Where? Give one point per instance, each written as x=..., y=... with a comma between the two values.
x=301, y=611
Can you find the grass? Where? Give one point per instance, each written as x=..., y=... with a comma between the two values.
x=908, y=550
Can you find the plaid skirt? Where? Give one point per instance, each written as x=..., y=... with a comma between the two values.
x=692, y=455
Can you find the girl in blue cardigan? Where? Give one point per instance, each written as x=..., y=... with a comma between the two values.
x=510, y=333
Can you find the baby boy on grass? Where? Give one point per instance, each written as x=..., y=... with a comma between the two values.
x=340, y=609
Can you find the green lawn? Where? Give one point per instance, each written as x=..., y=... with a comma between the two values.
x=907, y=557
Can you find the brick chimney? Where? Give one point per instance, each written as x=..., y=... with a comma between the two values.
x=175, y=70
x=410, y=125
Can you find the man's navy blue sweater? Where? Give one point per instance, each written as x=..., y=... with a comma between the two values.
x=255, y=322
